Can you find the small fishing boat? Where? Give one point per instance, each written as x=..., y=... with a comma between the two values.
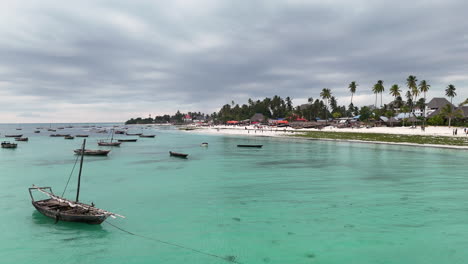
x=14, y=136
x=133, y=134
x=81, y=136
x=7, y=144
x=52, y=130
x=92, y=152
x=62, y=209
x=120, y=132
x=127, y=140
x=179, y=155
x=109, y=143
x=59, y=135
x=249, y=146
x=19, y=129
x=69, y=137
x=37, y=131
x=147, y=136
x=21, y=139
x=204, y=144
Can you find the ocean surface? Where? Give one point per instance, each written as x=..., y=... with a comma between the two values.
x=290, y=202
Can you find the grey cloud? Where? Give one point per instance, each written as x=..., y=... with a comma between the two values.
x=166, y=57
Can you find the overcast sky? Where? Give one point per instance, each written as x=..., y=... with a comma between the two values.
x=72, y=61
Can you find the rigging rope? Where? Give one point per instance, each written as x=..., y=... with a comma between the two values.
x=176, y=245
x=69, y=177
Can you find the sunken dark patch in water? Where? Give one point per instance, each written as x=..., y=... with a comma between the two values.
x=230, y=258
x=236, y=219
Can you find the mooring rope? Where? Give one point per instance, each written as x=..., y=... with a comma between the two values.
x=176, y=245
x=69, y=177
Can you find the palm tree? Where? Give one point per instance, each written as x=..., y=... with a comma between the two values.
x=450, y=92
x=352, y=88
x=424, y=87
x=411, y=82
x=326, y=95
x=448, y=111
x=375, y=90
x=381, y=89
x=395, y=92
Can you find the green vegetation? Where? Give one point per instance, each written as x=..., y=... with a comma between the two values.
x=277, y=107
x=391, y=138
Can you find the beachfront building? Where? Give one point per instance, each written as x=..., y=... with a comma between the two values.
x=258, y=117
x=187, y=119
x=435, y=105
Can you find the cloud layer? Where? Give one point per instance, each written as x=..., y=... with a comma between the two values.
x=112, y=60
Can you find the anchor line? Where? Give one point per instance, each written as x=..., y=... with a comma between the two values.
x=175, y=245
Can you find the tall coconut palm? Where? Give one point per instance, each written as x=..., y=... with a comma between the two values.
x=352, y=88
x=326, y=95
x=378, y=88
x=448, y=111
x=395, y=92
x=424, y=87
x=450, y=92
x=375, y=90
x=381, y=90
x=411, y=82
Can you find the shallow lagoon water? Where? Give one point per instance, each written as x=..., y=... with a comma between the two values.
x=293, y=201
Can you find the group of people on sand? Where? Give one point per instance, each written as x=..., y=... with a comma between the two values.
x=455, y=131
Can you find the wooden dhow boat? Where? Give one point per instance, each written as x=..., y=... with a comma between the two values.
x=147, y=136
x=62, y=209
x=7, y=144
x=127, y=140
x=109, y=143
x=14, y=136
x=179, y=155
x=81, y=136
x=92, y=152
x=59, y=135
x=69, y=137
x=21, y=139
x=37, y=131
x=133, y=134
x=249, y=146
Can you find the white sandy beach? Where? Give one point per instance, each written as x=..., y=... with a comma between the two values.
x=285, y=132
x=271, y=132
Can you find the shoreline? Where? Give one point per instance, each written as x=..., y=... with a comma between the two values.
x=300, y=134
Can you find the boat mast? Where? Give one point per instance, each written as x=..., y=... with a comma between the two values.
x=81, y=167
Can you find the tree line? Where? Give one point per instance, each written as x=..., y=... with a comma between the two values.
x=326, y=106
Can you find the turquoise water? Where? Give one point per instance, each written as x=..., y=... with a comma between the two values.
x=292, y=201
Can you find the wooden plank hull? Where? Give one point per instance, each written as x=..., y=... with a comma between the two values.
x=92, y=152
x=110, y=144
x=179, y=155
x=69, y=215
x=249, y=146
